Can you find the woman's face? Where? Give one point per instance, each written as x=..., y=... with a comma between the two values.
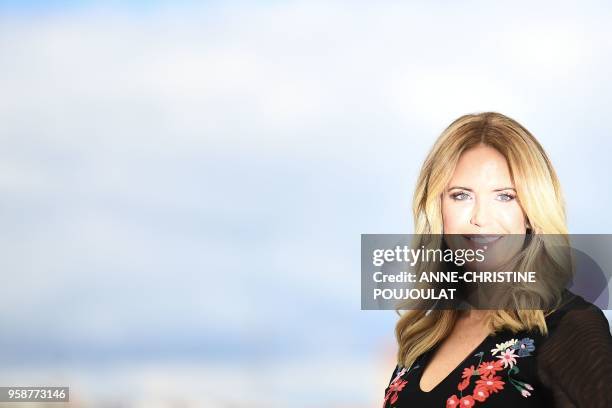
x=480, y=203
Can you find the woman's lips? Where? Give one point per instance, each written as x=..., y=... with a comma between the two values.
x=480, y=240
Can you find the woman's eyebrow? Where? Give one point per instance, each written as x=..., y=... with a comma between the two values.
x=459, y=188
x=469, y=189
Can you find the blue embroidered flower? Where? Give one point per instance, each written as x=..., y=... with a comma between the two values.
x=524, y=346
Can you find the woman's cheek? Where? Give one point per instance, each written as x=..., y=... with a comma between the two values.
x=456, y=216
x=512, y=218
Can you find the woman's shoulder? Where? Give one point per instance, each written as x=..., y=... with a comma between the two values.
x=575, y=313
x=575, y=330
x=575, y=361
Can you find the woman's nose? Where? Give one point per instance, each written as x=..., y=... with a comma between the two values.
x=479, y=215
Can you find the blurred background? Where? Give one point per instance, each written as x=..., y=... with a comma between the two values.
x=183, y=185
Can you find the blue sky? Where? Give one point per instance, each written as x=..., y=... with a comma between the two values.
x=189, y=183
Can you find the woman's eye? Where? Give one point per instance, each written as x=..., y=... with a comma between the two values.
x=460, y=196
x=505, y=197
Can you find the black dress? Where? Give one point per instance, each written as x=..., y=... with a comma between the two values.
x=570, y=367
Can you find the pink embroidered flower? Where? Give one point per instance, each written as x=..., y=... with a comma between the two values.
x=525, y=393
x=490, y=367
x=452, y=402
x=529, y=387
x=490, y=383
x=508, y=358
x=480, y=393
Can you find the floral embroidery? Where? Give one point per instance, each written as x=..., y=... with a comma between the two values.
x=463, y=402
x=503, y=346
x=490, y=373
x=522, y=387
x=481, y=394
x=508, y=358
x=490, y=383
x=463, y=384
x=490, y=367
x=524, y=347
x=453, y=401
x=468, y=372
x=396, y=385
x=393, y=390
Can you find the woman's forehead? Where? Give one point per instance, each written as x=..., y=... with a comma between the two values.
x=482, y=167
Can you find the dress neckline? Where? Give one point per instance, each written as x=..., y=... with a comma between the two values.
x=427, y=359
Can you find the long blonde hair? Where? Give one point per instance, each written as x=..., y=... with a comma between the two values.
x=539, y=193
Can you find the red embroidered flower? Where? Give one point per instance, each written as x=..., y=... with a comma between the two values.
x=468, y=372
x=393, y=398
x=394, y=388
x=491, y=383
x=452, y=402
x=463, y=384
x=490, y=368
x=467, y=401
x=480, y=393
x=397, y=386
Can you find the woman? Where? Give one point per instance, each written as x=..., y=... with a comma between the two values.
x=487, y=175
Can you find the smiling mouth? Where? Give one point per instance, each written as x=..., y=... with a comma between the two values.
x=483, y=239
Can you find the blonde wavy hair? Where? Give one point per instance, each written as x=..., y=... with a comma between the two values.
x=539, y=193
